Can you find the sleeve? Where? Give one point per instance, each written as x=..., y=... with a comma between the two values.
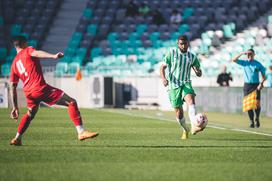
x=14, y=78
x=262, y=69
x=241, y=62
x=167, y=58
x=30, y=49
x=196, y=62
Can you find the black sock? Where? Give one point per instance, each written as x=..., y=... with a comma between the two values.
x=257, y=111
x=251, y=115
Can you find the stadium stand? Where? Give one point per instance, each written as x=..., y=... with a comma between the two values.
x=31, y=18
x=108, y=41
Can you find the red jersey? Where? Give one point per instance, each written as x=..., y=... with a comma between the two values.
x=29, y=70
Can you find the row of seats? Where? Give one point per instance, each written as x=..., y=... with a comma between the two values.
x=30, y=18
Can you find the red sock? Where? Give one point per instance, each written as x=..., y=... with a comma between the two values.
x=24, y=123
x=74, y=113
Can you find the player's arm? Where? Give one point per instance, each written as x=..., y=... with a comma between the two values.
x=162, y=72
x=44, y=54
x=198, y=71
x=260, y=86
x=236, y=58
x=196, y=66
x=13, y=93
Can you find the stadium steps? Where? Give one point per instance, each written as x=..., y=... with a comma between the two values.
x=63, y=28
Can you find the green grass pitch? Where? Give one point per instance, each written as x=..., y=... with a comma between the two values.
x=135, y=145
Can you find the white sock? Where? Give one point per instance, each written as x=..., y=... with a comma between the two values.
x=192, y=112
x=18, y=136
x=79, y=129
x=182, y=123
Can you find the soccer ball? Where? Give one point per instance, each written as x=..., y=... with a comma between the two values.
x=201, y=120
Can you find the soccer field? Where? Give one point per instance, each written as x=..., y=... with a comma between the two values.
x=135, y=145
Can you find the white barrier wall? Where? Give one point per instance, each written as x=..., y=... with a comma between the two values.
x=3, y=95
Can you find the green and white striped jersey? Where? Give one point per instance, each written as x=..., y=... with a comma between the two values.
x=179, y=67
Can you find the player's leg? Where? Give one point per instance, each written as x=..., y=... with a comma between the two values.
x=181, y=120
x=23, y=125
x=258, y=110
x=189, y=97
x=251, y=118
x=190, y=100
x=175, y=98
x=75, y=116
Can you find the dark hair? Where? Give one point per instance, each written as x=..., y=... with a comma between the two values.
x=183, y=38
x=251, y=50
x=19, y=41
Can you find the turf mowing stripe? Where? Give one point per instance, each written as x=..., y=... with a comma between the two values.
x=209, y=125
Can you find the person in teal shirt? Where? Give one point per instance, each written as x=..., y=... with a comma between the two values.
x=252, y=68
x=269, y=77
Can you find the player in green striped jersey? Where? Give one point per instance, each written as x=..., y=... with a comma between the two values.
x=179, y=62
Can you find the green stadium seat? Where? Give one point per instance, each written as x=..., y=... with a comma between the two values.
x=32, y=43
x=154, y=36
x=77, y=36
x=116, y=51
x=3, y=54
x=141, y=28
x=1, y=21
x=5, y=69
x=96, y=52
x=134, y=36
x=15, y=30
x=91, y=29
x=112, y=37
x=26, y=35
x=74, y=44
x=81, y=52
x=183, y=29
x=204, y=48
x=90, y=68
x=115, y=44
x=66, y=59
x=157, y=44
x=175, y=35
x=187, y=13
x=69, y=52
x=229, y=30
x=61, y=69
x=10, y=58
x=87, y=13
x=13, y=52
x=78, y=59
x=269, y=19
x=73, y=67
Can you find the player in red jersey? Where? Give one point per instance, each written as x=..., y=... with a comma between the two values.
x=27, y=68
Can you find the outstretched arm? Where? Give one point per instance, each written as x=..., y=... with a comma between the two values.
x=44, y=54
x=238, y=56
x=260, y=86
x=162, y=71
x=198, y=71
x=13, y=93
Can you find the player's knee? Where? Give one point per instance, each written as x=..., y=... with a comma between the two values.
x=31, y=113
x=73, y=102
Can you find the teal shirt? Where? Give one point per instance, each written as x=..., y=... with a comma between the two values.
x=251, y=70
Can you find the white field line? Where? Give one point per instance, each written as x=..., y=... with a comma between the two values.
x=209, y=125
